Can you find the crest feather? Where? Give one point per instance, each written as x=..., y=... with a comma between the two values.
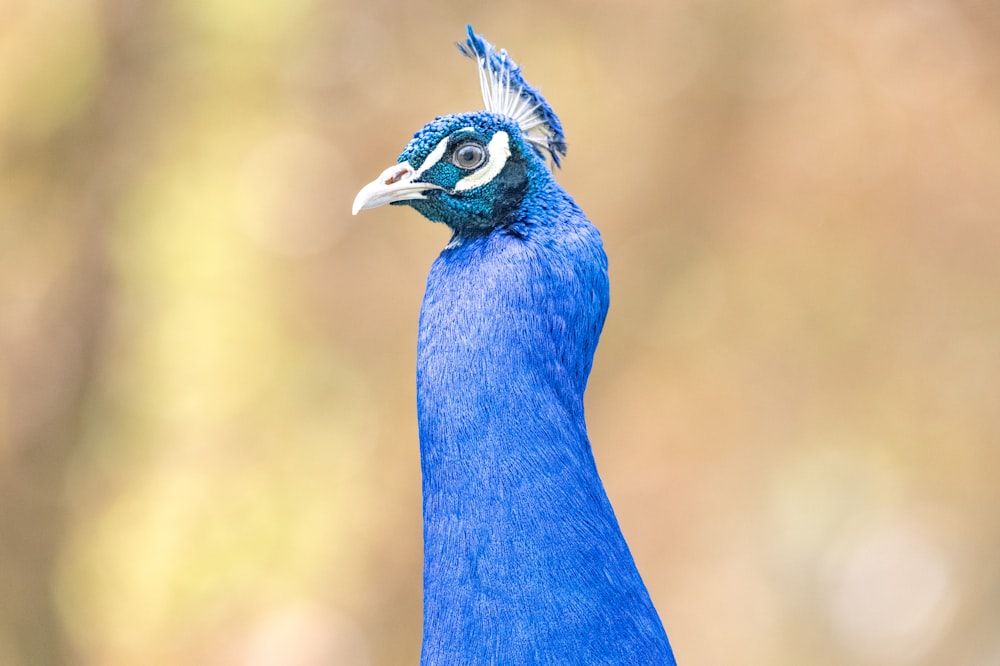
x=506, y=92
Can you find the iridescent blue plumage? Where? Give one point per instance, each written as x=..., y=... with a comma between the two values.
x=524, y=561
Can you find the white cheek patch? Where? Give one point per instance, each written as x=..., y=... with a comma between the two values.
x=499, y=151
x=433, y=158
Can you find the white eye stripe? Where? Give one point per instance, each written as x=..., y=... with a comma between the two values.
x=432, y=159
x=499, y=151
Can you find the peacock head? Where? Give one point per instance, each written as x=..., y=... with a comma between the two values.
x=473, y=171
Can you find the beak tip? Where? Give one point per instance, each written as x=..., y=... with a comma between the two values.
x=360, y=201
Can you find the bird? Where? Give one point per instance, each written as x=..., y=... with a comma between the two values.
x=524, y=559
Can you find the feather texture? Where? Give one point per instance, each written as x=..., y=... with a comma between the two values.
x=506, y=92
x=524, y=561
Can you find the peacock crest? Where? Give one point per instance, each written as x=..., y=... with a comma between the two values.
x=506, y=92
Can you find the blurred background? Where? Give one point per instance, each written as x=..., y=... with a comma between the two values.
x=208, y=448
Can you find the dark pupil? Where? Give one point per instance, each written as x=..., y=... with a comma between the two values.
x=469, y=156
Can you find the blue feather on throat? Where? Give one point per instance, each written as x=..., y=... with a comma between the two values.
x=524, y=560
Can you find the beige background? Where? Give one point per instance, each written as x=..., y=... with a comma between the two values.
x=208, y=450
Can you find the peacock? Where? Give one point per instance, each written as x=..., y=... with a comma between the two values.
x=524, y=561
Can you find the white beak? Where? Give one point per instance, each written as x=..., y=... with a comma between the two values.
x=393, y=184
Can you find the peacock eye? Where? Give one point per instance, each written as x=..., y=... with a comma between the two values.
x=469, y=155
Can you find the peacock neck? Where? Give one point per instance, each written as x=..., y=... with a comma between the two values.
x=521, y=546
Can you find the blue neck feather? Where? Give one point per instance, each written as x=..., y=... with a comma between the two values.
x=524, y=562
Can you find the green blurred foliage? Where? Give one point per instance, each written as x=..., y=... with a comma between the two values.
x=208, y=450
